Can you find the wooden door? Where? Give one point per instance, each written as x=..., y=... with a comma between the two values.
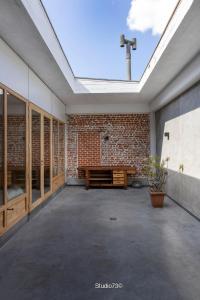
x=47, y=154
x=2, y=162
x=35, y=156
x=40, y=156
x=17, y=164
x=13, y=158
x=58, y=154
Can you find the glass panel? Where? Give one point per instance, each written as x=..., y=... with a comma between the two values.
x=16, y=139
x=36, y=154
x=1, y=147
x=55, y=148
x=61, y=148
x=47, y=132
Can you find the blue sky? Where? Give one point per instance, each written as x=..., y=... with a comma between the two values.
x=89, y=32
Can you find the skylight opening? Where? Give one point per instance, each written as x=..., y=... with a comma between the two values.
x=89, y=33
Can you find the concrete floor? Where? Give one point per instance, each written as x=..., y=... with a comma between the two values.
x=103, y=236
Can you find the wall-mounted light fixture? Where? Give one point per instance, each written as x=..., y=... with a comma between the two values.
x=166, y=134
x=106, y=138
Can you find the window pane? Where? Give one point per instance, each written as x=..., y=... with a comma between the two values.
x=55, y=148
x=47, y=145
x=36, y=154
x=16, y=139
x=61, y=148
x=1, y=147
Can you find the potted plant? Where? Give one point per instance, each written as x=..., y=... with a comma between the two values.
x=157, y=175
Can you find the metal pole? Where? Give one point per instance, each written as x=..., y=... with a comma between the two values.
x=128, y=60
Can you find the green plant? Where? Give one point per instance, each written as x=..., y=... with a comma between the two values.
x=156, y=173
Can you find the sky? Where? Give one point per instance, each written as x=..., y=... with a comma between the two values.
x=89, y=32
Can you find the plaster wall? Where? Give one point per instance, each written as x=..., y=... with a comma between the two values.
x=184, y=80
x=106, y=108
x=15, y=74
x=180, y=119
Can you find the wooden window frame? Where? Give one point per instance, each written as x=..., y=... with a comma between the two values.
x=55, y=182
x=9, y=204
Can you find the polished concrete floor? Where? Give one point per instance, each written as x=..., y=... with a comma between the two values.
x=85, y=238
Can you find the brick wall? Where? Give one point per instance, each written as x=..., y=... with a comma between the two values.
x=36, y=147
x=122, y=139
x=17, y=143
x=16, y=140
x=47, y=128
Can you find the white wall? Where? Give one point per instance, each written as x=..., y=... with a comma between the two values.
x=107, y=108
x=15, y=74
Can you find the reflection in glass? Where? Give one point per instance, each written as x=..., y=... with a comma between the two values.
x=47, y=131
x=36, y=154
x=61, y=148
x=16, y=147
x=55, y=148
x=1, y=147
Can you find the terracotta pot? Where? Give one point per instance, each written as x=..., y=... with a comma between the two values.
x=157, y=199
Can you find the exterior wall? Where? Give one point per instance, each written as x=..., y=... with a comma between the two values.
x=181, y=118
x=15, y=74
x=127, y=143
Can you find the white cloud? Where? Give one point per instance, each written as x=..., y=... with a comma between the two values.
x=150, y=14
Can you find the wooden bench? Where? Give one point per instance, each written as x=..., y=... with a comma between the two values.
x=107, y=176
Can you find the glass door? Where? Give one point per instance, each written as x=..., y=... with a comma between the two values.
x=61, y=165
x=1, y=147
x=47, y=154
x=58, y=149
x=15, y=168
x=2, y=173
x=41, y=155
x=36, y=156
x=16, y=147
x=55, y=147
x=13, y=159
